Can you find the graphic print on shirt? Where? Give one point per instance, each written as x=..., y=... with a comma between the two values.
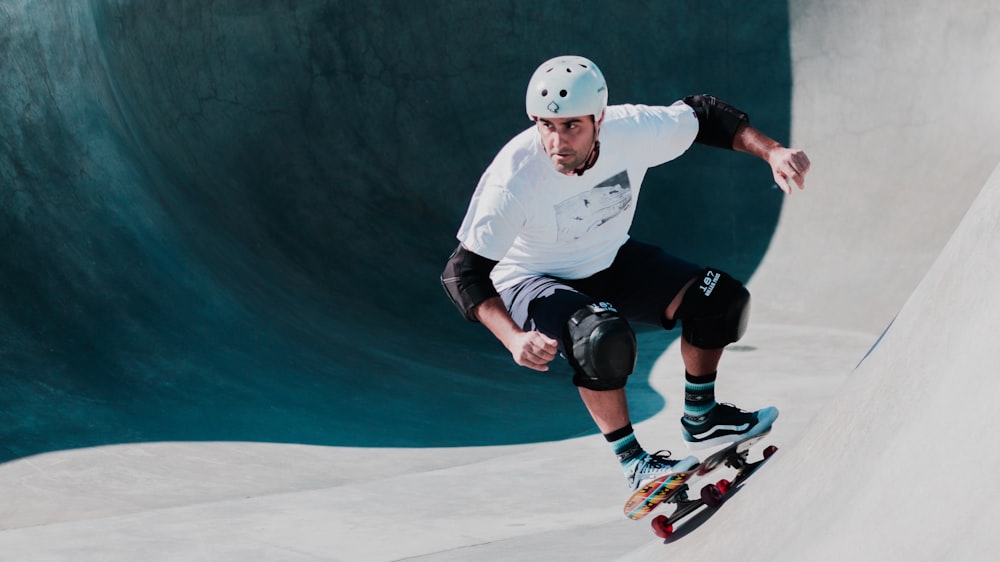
x=579, y=215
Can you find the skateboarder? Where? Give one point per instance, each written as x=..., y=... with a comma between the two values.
x=546, y=263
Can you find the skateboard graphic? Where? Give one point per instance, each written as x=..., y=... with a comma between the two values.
x=673, y=488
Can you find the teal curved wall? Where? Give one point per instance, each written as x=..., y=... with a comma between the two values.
x=226, y=220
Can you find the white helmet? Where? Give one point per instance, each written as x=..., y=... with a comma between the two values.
x=567, y=86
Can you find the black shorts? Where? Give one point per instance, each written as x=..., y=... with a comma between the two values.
x=640, y=284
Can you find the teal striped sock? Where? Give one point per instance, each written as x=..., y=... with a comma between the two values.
x=699, y=396
x=626, y=446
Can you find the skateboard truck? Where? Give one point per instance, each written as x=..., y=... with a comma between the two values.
x=711, y=495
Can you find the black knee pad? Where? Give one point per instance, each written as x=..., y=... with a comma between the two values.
x=601, y=347
x=714, y=310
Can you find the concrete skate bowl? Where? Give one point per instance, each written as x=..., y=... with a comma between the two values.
x=226, y=220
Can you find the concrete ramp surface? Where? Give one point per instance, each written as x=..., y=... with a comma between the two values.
x=222, y=335
x=898, y=466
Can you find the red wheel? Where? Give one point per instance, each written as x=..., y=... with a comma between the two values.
x=661, y=527
x=711, y=495
x=770, y=450
x=723, y=485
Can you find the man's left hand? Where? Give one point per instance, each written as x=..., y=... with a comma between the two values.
x=789, y=166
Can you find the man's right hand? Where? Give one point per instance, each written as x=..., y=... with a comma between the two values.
x=533, y=350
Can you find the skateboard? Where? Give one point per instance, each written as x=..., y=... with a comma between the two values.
x=674, y=488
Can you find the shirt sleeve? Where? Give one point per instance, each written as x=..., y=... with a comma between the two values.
x=492, y=222
x=671, y=131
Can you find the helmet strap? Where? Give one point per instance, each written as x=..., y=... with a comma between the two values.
x=591, y=159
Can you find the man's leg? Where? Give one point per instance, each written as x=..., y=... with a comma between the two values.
x=547, y=305
x=602, y=353
x=716, y=306
x=698, y=362
x=609, y=408
x=600, y=346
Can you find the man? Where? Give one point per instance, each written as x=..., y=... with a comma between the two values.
x=545, y=261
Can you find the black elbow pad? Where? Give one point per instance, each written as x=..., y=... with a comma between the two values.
x=717, y=120
x=466, y=280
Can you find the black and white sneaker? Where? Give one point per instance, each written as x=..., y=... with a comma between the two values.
x=726, y=423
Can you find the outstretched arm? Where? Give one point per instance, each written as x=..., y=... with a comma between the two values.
x=724, y=126
x=789, y=165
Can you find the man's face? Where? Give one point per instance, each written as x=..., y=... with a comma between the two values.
x=568, y=140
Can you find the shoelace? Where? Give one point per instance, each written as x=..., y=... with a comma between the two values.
x=721, y=407
x=734, y=407
x=660, y=459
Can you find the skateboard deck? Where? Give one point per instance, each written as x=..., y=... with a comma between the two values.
x=655, y=492
x=674, y=488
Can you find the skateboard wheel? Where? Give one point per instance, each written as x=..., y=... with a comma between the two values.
x=770, y=450
x=662, y=527
x=723, y=485
x=711, y=495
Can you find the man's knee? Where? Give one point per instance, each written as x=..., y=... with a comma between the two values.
x=601, y=347
x=714, y=310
